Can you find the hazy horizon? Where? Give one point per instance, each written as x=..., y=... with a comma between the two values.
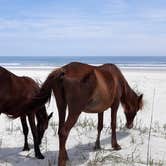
x=82, y=56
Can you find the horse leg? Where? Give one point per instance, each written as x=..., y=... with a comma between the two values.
x=62, y=115
x=63, y=134
x=113, y=125
x=61, y=105
x=25, y=131
x=99, y=128
x=31, y=119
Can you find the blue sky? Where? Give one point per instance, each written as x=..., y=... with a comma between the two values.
x=82, y=27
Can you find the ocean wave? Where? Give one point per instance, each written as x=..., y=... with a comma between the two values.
x=161, y=67
x=10, y=64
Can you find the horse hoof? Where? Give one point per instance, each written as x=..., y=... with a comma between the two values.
x=97, y=147
x=39, y=156
x=67, y=158
x=117, y=147
x=63, y=162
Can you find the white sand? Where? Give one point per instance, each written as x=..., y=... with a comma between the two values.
x=134, y=142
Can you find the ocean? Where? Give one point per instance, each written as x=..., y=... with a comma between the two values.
x=56, y=61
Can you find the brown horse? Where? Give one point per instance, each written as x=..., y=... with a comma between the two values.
x=90, y=89
x=15, y=91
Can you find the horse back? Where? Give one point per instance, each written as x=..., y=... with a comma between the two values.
x=15, y=90
x=88, y=88
x=12, y=84
x=117, y=74
x=77, y=70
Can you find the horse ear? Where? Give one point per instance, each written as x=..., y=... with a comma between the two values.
x=140, y=97
x=140, y=101
x=49, y=116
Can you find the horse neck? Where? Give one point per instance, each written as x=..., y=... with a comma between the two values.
x=128, y=96
x=41, y=115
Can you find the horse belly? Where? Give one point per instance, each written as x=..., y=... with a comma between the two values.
x=96, y=107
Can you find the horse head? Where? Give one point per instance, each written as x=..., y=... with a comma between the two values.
x=42, y=122
x=131, y=109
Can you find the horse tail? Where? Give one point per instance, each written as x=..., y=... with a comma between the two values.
x=44, y=95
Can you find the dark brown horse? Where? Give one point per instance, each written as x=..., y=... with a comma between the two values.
x=16, y=91
x=90, y=89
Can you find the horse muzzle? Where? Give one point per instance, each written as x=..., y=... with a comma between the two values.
x=129, y=126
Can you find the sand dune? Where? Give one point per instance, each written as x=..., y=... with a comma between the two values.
x=134, y=142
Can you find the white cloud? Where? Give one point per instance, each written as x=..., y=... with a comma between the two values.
x=116, y=29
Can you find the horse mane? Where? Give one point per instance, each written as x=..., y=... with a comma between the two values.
x=128, y=94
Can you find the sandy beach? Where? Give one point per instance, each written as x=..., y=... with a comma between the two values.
x=149, y=81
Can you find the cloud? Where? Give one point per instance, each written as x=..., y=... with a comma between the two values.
x=108, y=26
x=54, y=27
x=114, y=7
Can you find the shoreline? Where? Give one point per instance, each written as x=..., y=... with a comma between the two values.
x=123, y=68
x=146, y=80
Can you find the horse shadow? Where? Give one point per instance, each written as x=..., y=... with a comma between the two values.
x=78, y=154
x=16, y=157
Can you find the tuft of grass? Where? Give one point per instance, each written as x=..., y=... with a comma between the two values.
x=101, y=158
x=46, y=144
x=86, y=123
x=150, y=129
x=54, y=127
x=1, y=140
x=156, y=127
x=132, y=140
x=84, y=126
x=164, y=127
x=49, y=163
